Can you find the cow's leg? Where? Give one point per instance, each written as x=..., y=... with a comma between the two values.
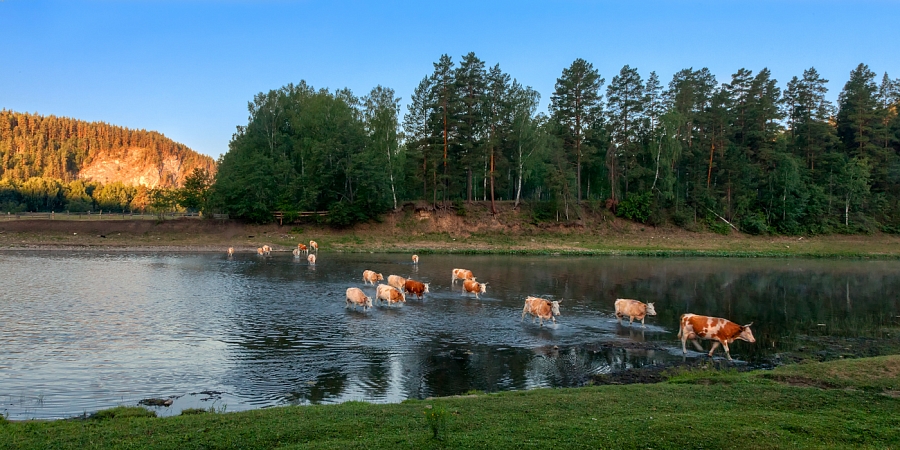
x=618, y=318
x=642, y=322
x=727, y=353
x=683, y=343
x=542, y=320
x=697, y=345
x=715, y=345
x=523, y=313
x=630, y=320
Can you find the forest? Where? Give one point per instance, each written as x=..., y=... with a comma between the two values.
x=41, y=158
x=698, y=153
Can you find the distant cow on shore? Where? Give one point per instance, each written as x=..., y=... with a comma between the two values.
x=356, y=297
x=311, y=259
x=389, y=294
x=415, y=287
x=722, y=331
x=396, y=281
x=313, y=246
x=266, y=249
x=369, y=276
x=634, y=310
x=541, y=308
x=472, y=286
x=259, y=251
x=461, y=274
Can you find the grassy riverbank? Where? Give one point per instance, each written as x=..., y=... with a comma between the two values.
x=838, y=404
x=442, y=235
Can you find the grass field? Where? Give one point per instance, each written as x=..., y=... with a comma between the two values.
x=839, y=404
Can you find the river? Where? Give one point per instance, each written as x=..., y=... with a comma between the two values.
x=86, y=330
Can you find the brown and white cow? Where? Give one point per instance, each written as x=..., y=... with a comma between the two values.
x=721, y=331
x=415, y=259
x=369, y=276
x=415, y=287
x=541, y=308
x=356, y=297
x=296, y=252
x=634, y=310
x=389, y=294
x=260, y=251
x=396, y=281
x=461, y=274
x=474, y=287
x=266, y=249
x=311, y=259
x=302, y=248
x=313, y=246
x=230, y=251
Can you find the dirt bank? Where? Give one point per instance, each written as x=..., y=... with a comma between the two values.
x=419, y=228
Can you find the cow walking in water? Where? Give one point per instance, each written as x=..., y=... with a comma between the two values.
x=311, y=259
x=389, y=294
x=415, y=287
x=461, y=274
x=296, y=253
x=230, y=252
x=415, y=259
x=474, y=287
x=634, y=310
x=356, y=297
x=313, y=246
x=721, y=331
x=302, y=248
x=266, y=249
x=541, y=308
x=369, y=276
x=396, y=281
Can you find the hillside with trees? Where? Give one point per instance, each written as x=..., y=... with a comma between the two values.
x=56, y=163
x=747, y=153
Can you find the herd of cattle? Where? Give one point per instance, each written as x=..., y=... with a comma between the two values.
x=691, y=327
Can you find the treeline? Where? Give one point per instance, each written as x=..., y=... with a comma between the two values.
x=43, y=194
x=695, y=152
x=59, y=147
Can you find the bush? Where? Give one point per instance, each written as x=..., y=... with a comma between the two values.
x=755, y=224
x=636, y=207
x=543, y=211
x=123, y=412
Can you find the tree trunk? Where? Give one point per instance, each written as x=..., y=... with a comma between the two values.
x=493, y=209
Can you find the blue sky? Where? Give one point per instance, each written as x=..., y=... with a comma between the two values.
x=188, y=68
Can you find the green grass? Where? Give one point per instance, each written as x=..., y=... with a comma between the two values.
x=701, y=408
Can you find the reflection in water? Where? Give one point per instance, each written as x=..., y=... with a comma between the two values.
x=260, y=331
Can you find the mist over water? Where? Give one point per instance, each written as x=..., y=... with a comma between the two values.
x=83, y=331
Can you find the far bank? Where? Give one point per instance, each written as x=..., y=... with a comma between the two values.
x=423, y=231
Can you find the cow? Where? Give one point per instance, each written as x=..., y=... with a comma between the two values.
x=634, y=310
x=415, y=259
x=474, y=287
x=461, y=274
x=722, y=331
x=369, y=276
x=296, y=252
x=389, y=294
x=541, y=308
x=313, y=246
x=415, y=287
x=397, y=281
x=230, y=251
x=259, y=251
x=356, y=297
x=266, y=249
x=311, y=259
x=302, y=248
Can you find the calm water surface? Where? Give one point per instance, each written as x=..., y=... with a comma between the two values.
x=85, y=331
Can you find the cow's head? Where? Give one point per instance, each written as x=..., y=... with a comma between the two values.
x=746, y=334
x=651, y=311
x=554, y=307
x=368, y=302
x=426, y=287
x=379, y=277
x=482, y=287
